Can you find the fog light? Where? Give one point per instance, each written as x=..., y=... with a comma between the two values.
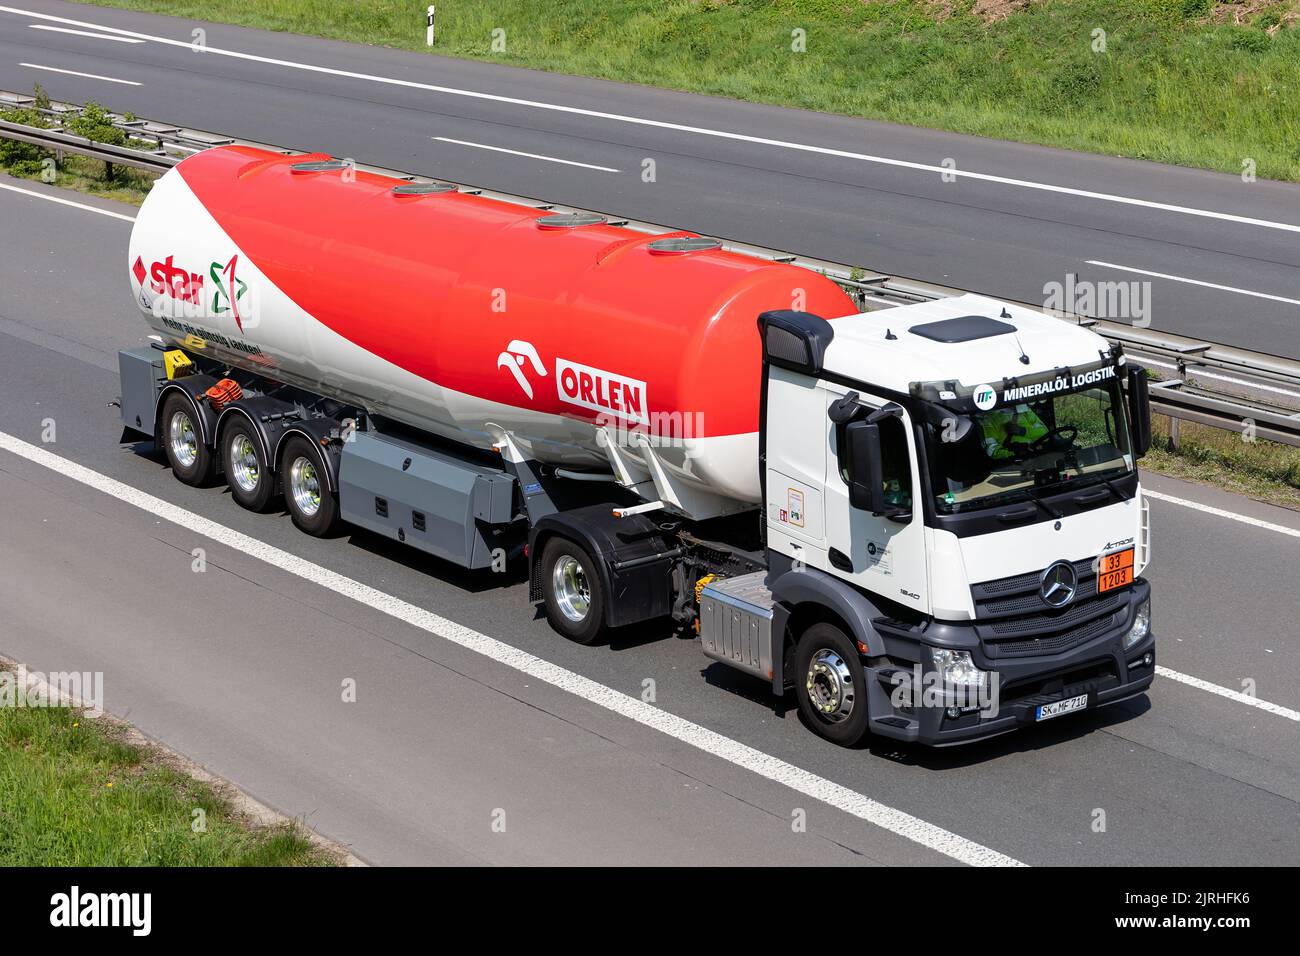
x=956, y=668
x=953, y=713
x=1147, y=659
x=1141, y=625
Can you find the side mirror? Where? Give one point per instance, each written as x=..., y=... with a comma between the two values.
x=1139, y=409
x=866, y=480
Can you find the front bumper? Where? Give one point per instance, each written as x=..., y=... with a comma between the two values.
x=1099, y=668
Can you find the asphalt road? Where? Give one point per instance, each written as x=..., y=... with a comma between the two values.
x=811, y=183
x=241, y=666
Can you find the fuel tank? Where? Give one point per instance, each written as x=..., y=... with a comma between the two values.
x=578, y=343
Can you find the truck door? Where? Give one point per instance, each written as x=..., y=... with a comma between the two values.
x=883, y=554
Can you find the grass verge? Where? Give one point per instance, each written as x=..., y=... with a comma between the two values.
x=1265, y=470
x=76, y=791
x=1190, y=82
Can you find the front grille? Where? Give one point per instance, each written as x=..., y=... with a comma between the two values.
x=1051, y=644
x=1077, y=613
x=1012, y=620
x=1019, y=593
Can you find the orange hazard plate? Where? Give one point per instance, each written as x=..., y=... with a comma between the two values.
x=1115, y=570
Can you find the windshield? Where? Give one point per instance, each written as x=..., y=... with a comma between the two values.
x=1019, y=451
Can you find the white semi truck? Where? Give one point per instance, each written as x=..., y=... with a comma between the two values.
x=926, y=521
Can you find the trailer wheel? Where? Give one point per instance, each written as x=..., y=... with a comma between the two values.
x=831, y=685
x=182, y=442
x=572, y=589
x=250, y=479
x=307, y=496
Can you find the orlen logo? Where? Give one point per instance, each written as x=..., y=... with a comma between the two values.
x=985, y=397
x=601, y=391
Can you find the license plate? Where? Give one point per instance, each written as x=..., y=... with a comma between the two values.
x=1114, y=570
x=1059, y=707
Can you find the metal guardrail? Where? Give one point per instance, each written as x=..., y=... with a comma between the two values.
x=1209, y=383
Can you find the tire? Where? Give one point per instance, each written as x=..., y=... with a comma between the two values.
x=307, y=496
x=831, y=685
x=251, y=482
x=572, y=589
x=182, y=442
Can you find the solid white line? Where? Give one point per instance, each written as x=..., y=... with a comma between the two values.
x=84, y=33
x=1232, y=515
x=1208, y=285
x=709, y=741
x=678, y=127
x=1227, y=692
x=515, y=152
x=67, y=202
x=89, y=76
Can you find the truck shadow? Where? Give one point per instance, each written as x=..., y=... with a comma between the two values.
x=1024, y=740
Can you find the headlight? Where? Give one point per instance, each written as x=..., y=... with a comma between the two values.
x=957, y=668
x=1141, y=625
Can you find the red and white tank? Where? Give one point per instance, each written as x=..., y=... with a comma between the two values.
x=483, y=321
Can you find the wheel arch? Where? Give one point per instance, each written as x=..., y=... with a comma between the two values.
x=638, y=592
x=319, y=432
x=809, y=596
x=191, y=387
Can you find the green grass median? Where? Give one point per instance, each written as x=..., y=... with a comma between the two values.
x=75, y=791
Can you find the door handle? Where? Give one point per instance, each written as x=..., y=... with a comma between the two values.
x=840, y=560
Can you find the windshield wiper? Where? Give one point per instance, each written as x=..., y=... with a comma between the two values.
x=1036, y=496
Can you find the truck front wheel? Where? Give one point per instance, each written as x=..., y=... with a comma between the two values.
x=571, y=587
x=831, y=685
x=307, y=496
x=182, y=442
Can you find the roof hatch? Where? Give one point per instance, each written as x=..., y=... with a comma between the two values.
x=965, y=328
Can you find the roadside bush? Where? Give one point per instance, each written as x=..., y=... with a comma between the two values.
x=24, y=159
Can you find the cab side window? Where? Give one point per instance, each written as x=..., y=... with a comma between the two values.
x=895, y=465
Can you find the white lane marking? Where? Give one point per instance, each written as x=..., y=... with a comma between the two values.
x=711, y=742
x=84, y=33
x=1229, y=693
x=1201, y=373
x=515, y=152
x=1200, y=282
x=89, y=76
x=697, y=130
x=1232, y=515
x=67, y=202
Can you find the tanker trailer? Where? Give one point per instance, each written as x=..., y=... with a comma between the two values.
x=647, y=419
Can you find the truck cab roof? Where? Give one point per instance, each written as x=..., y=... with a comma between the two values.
x=970, y=339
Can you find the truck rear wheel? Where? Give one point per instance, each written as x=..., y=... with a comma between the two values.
x=307, y=496
x=571, y=587
x=182, y=442
x=831, y=685
x=250, y=479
